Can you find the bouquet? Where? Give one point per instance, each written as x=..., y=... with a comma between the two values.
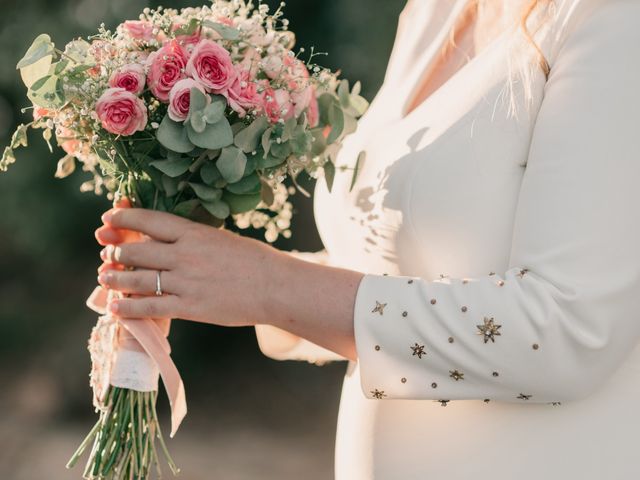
x=206, y=113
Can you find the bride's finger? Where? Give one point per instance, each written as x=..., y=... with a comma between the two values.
x=139, y=282
x=167, y=306
x=152, y=255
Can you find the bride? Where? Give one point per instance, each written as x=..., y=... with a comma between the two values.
x=482, y=277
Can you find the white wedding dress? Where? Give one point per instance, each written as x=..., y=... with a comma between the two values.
x=497, y=327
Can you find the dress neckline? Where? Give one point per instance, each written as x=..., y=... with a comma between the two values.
x=426, y=62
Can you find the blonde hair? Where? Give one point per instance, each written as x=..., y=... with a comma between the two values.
x=525, y=19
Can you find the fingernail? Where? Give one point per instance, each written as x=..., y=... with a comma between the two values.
x=103, y=254
x=106, y=217
x=103, y=278
x=113, y=306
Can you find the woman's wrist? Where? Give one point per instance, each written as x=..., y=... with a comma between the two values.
x=311, y=301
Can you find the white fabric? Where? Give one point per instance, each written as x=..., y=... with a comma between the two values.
x=135, y=370
x=461, y=199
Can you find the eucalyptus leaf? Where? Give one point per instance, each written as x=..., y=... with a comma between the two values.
x=252, y=164
x=206, y=193
x=210, y=173
x=217, y=208
x=173, y=168
x=47, y=92
x=34, y=72
x=226, y=32
x=214, y=112
x=318, y=142
x=197, y=100
x=343, y=93
x=280, y=150
x=249, y=138
x=169, y=185
x=329, y=173
x=266, y=140
x=241, y=203
x=356, y=88
x=173, y=136
x=289, y=129
x=266, y=194
x=325, y=103
x=197, y=121
x=145, y=193
x=301, y=141
x=19, y=137
x=336, y=120
x=217, y=135
x=186, y=208
x=356, y=169
x=231, y=164
x=41, y=47
x=247, y=185
x=359, y=105
x=60, y=66
x=268, y=161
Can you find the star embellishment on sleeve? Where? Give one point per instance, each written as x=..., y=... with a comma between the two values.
x=379, y=308
x=489, y=330
x=418, y=350
x=378, y=393
x=456, y=375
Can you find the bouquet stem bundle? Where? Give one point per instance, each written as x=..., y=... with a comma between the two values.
x=123, y=441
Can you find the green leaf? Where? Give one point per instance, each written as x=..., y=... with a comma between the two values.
x=217, y=208
x=241, y=203
x=60, y=66
x=197, y=121
x=266, y=140
x=266, y=194
x=252, y=164
x=214, y=112
x=210, y=173
x=336, y=120
x=268, y=161
x=174, y=167
x=343, y=93
x=280, y=150
x=8, y=157
x=231, y=164
x=66, y=166
x=289, y=129
x=217, y=135
x=197, y=100
x=205, y=193
x=173, y=136
x=186, y=208
x=247, y=185
x=19, y=137
x=145, y=192
x=325, y=102
x=301, y=141
x=249, y=138
x=358, y=105
x=47, y=92
x=329, y=173
x=356, y=169
x=188, y=29
x=169, y=185
x=318, y=143
x=40, y=48
x=36, y=71
x=227, y=33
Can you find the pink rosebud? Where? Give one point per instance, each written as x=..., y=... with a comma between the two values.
x=166, y=68
x=180, y=99
x=130, y=77
x=139, y=29
x=313, y=111
x=243, y=94
x=121, y=112
x=211, y=65
x=277, y=104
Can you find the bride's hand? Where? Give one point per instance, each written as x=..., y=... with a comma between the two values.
x=207, y=275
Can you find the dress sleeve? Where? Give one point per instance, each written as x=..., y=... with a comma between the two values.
x=563, y=316
x=281, y=345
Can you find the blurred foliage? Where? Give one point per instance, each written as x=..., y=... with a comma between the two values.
x=48, y=254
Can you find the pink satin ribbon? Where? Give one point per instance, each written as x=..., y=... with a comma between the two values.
x=149, y=335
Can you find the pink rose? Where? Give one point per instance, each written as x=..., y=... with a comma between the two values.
x=301, y=100
x=166, y=67
x=138, y=29
x=130, y=77
x=180, y=99
x=277, y=104
x=211, y=65
x=243, y=94
x=121, y=112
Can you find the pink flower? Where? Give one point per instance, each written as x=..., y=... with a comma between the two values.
x=277, y=104
x=243, y=94
x=180, y=99
x=139, y=30
x=313, y=111
x=211, y=65
x=121, y=112
x=130, y=77
x=166, y=67
x=273, y=66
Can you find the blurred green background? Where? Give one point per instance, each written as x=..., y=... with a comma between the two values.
x=249, y=416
